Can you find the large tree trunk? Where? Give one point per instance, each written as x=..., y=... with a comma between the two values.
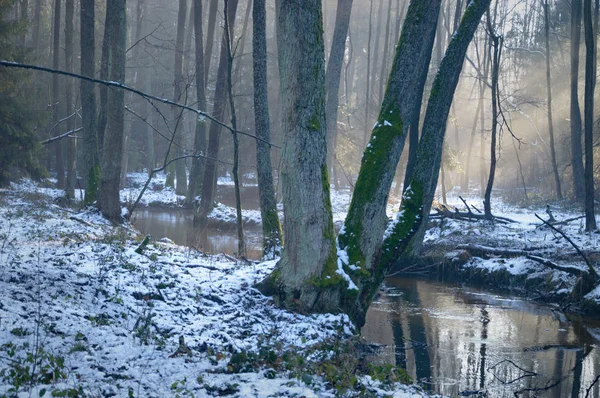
x=406, y=232
x=181, y=185
x=71, y=143
x=308, y=264
x=200, y=135
x=219, y=103
x=91, y=158
x=590, y=80
x=549, y=90
x=60, y=166
x=108, y=193
x=271, y=227
x=366, y=221
x=37, y=21
x=333, y=73
x=103, y=90
x=576, y=150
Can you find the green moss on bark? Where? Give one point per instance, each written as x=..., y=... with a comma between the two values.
x=388, y=127
x=408, y=222
x=91, y=192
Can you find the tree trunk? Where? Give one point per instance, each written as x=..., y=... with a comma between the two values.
x=386, y=42
x=271, y=227
x=180, y=172
x=308, y=264
x=241, y=253
x=238, y=66
x=25, y=21
x=71, y=143
x=368, y=79
x=60, y=166
x=333, y=73
x=108, y=192
x=590, y=77
x=91, y=158
x=219, y=103
x=496, y=43
x=103, y=90
x=576, y=150
x=549, y=89
x=37, y=21
x=210, y=38
x=366, y=221
x=200, y=135
x=405, y=234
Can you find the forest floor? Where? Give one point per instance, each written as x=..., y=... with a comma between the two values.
x=82, y=313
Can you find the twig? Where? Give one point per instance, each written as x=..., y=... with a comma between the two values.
x=60, y=137
x=589, y=389
x=587, y=261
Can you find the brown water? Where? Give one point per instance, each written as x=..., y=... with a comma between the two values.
x=466, y=342
x=177, y=225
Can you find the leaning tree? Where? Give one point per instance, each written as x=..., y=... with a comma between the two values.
x=315, y=273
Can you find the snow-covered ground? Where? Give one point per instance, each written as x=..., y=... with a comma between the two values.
x=527, y=234
x=83, y=314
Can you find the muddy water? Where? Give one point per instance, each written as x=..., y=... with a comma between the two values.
x=465, y=342
x=178, y=226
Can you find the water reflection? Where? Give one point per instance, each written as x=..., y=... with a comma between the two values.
x=470, y=343
x=176, y=224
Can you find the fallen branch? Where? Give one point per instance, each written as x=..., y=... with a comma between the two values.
x=553, y=265
x=477, y=250
x=592, y=270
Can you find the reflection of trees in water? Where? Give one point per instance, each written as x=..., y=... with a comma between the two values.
x=500, y=349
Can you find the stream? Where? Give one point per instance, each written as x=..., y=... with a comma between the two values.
x=451, y=340
x=469, y=342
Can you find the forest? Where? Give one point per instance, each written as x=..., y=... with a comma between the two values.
x=299, y=198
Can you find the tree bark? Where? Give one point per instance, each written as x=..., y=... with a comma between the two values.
x=60, y=166
x=365, y=224
x=108, y=193
x=590, y=77
x=200, y=135
x=549, y=90
x=71, y=144
x=576, y=150
x=406, y=232
x=210, y=37
x=219, y=103
x=308, y=262
x=37, y=21
x=271, y=227
x=91, y=157
x=334, y=72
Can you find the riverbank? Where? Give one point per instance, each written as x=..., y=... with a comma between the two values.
x=86, y=311
x=521, y=256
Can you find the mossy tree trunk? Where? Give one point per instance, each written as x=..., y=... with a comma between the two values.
x=361, y=236
x=308, y=262
x=405, y=233
x=271, y=227
x=588, y=114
